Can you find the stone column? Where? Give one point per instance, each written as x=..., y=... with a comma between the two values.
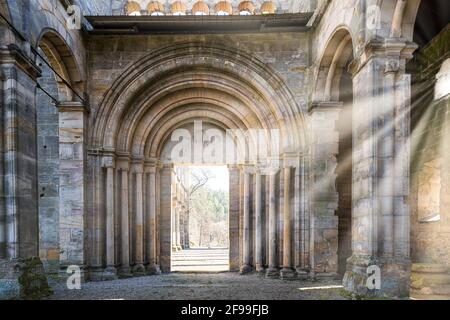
x=152, y=267
x=110, y=271
x=234, y=217
x=125, y=270
x=387, y=153
x=165, y=217
x=178, y=226
x=19, y=160
x=246, y=267
x=272, y=271
x=377, y=164
x=258, y=230
x=72, y=184
x=287, y=272
x=139, y=269
x=303, y=232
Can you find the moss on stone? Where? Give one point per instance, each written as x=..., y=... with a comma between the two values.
x=32, y=280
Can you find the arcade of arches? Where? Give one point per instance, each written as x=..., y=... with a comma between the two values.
x=355, y=172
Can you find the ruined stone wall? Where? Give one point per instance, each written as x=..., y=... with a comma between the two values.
x=430, y=182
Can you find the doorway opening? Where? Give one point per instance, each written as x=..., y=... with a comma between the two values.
x=200, y=219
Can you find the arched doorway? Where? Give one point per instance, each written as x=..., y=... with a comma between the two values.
x=139, y=115
x=334, y=99
x=61, y=217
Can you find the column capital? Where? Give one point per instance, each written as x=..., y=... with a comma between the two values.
x=383, y=48
x=73, y=106
x=248, y=169
x=123, y=164
x=291, y=159
x=270, y=171
x=14, y=55
x=325, y=106
x=108, y=161
x=151, y=165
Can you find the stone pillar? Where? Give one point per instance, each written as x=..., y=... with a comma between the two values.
x=19, y=160
x=387, y=153
x=110, y=272
x=125, y=270
x=272, y=271
x=324, y=197
x=152, y=267
x=287, y=272
x=381, y=160
x=72, y=184
x=165, y=217
x=258, y=230
x=139, y=269
x=246, y=267
x=234, y=217
x=96, y=196
x=304, y=230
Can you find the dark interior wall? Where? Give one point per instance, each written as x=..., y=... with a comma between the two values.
x=432, y=17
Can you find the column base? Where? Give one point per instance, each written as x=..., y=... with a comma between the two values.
x=273, y=273
x=302, y=274
x=139, y=270
x=394, y=280
x=153, y=269
x=246, y=269
x=260, y=270
x=287, y=274
x=110, y=273
x=23, y=279
x=125, y=273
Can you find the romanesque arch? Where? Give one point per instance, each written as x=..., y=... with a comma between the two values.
x=333, y=100
x=60, y=112
x=161, y=92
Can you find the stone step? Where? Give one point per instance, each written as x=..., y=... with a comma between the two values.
x=428, y=297
x=421, y=280
x=429, y=268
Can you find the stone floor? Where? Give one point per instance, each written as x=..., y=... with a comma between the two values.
x=202, y=286
x=201, y=260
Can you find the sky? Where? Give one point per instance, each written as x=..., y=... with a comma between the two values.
x=220, y=180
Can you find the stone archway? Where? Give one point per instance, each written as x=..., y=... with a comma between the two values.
x=61, y=160
x=170, y=87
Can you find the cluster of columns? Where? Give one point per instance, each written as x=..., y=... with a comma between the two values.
x=130, y=205
x=268, y=221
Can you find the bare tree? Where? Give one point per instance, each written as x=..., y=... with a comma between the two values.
x=200, y=177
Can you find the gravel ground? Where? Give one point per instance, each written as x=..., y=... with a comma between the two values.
x=180, y=286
